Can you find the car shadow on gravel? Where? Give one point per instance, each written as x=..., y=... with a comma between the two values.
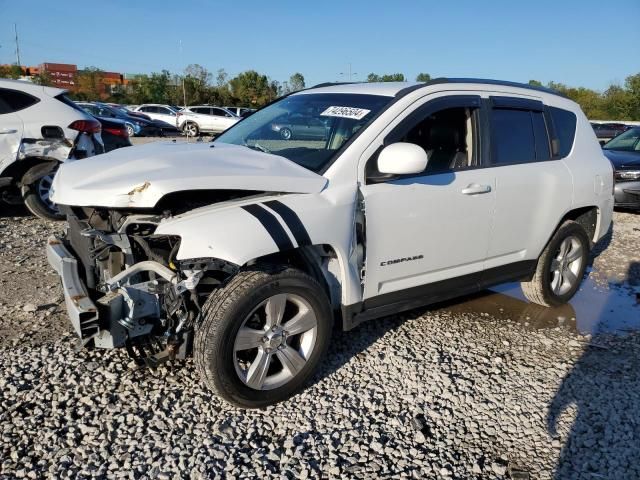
x=7, y=211
x=602, y=391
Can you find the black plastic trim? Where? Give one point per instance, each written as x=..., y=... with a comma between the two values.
x=502, y=83
x=516, y=103
x=395, y=302
x=292, y=220
x=271, y=225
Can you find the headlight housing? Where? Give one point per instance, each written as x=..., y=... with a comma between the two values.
x=627, y=175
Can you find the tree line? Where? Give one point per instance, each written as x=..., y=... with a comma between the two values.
x=196, y=85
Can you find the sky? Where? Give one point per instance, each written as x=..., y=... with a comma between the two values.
x=591, y=43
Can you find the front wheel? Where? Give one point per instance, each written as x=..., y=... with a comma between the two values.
x=263, y=335
x=560, y=267
x=37, y=199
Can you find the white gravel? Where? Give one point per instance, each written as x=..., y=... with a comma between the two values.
x=435, y=393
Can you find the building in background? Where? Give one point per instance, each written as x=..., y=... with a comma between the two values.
x=65, y=75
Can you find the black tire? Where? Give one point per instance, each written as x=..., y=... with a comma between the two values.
x=227, y=310
x=541, y=289
x=191, y=129
x=35, y=197
x=286, y=134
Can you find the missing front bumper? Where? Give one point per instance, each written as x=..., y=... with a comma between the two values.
x=83, y=313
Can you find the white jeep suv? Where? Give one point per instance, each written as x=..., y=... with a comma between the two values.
x=39, y=129
x=244, y=252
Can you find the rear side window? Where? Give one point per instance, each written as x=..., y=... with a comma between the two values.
x=564, y=124
x=519, y=136
x=14, y=100
x=513, y=140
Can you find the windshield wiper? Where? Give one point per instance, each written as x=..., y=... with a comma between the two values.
x=257, y=146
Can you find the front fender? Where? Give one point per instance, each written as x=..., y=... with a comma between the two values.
x=236, y=234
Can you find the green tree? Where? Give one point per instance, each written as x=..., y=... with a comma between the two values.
x=252, y=88
x=10, y=71
x=618, y=103
x=389, y=77
x=43, y=78
x=535, y=83
x=423, y=77
x=296, y=82
x=632, y=85
x=197, y=82
x=89, y=82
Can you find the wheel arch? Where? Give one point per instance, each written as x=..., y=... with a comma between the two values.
x=588, y=217
x=18, y=168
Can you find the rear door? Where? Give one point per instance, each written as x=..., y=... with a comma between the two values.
x=533, y=185
x=11, y=129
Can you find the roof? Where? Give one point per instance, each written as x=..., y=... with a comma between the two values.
x=29, y=87
x=392, y=89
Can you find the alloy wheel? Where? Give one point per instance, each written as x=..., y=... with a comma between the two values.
x=566, y=265
x=44, y=192
x=275, y=341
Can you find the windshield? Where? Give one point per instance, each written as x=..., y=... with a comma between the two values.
x=307, y=129
x=628, y=141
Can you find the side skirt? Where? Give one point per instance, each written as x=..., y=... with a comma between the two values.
x=395, y=302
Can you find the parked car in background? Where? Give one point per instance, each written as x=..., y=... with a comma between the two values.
x=40, y=128
x=164, y=113
x=205, y=118
x=240, y=111
x=246, y=251
x=136, y=125
x=128, y=111
x=607, y=131
x=300, y=126
x=624, y=153
x=115, y=133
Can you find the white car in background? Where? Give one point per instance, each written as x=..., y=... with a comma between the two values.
x=155, y=111
x=240, y=111
x=205, y=118
x=39, y=129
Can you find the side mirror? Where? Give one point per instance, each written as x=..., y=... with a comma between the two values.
x=402, y=159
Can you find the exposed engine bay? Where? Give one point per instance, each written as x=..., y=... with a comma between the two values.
x=146, y=300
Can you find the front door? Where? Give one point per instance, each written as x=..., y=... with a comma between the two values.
x=434, y=226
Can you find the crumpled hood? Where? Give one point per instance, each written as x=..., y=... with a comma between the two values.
x=622, y=159
x=138, y=177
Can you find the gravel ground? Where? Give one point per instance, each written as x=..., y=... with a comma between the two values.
x=455, y=391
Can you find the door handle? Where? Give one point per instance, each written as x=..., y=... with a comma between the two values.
x=8, y=130
x=475, y=189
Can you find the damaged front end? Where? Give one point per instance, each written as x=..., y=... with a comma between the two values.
x=123, y=286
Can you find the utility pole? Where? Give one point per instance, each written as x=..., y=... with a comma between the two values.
x=15, y=29
x=350, y=73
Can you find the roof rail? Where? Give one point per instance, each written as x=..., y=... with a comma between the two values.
x=331, y=84
x=486, y=81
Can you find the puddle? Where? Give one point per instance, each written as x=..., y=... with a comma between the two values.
x=594, y=309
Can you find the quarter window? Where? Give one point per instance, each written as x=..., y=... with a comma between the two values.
x=564, y=123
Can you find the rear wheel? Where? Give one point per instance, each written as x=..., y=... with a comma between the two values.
x=130, y=130
x=263, y=335
x=191, y=130
x=37, y=197
x=560, y=267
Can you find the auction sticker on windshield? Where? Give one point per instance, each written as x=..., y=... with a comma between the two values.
x=345, y=112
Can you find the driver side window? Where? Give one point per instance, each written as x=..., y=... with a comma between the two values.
x=449, y=136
